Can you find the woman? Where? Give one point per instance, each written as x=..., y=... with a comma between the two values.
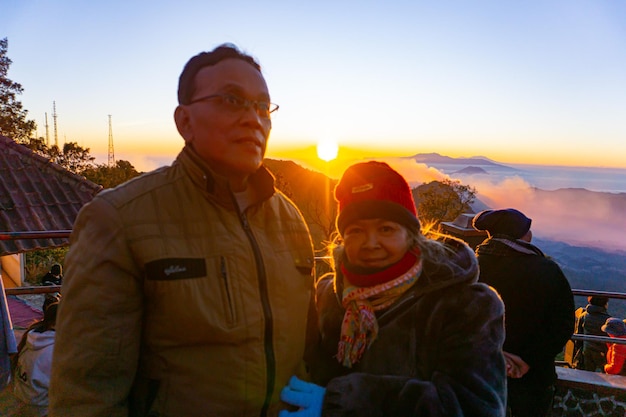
x=34, y=363
x=405, y=327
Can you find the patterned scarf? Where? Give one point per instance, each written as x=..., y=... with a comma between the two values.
x=359, y=328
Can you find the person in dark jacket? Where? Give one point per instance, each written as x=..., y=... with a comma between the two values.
x=590, y=322
x=54, y=276
x=539, y=307
x=406, y=329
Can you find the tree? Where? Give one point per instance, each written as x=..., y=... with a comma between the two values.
x=108, y=176
x=13, y=122
x=74, y=158
x=443, y=201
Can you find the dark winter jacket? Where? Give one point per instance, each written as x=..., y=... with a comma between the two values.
x=590, y=322
x=438, y=351
x=50, y=279
x=538, y=301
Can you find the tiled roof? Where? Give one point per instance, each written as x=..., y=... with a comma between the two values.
x=37, y=195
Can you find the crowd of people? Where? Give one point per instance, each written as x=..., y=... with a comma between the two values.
x=190, y=291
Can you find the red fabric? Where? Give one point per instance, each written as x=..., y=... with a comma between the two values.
x=394, y=271
x=615, y=357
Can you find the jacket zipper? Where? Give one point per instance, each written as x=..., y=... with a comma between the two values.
x=224, y=273
x=270, y=359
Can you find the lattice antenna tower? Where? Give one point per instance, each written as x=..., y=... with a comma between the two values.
x=111, y=153
x=54, y=118
x=47, y=132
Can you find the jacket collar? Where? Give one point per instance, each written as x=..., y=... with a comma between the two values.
x=217, y=186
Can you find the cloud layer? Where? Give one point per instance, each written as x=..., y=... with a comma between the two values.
x=575, y=216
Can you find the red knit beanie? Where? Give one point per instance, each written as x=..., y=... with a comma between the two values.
x=370, y=190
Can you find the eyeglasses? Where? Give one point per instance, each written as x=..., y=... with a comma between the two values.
x=236, y=103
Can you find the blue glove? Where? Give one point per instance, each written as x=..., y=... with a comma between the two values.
x=309, y=397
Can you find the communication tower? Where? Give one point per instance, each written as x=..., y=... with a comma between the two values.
x=47, y=133
x=111, y=154
x=54, y=118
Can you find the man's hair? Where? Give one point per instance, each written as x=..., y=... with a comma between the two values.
x=597, y=300
x=186, y=81
x=56, y=269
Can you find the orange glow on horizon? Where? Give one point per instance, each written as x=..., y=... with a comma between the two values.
x=307, y=157
x=147, y=154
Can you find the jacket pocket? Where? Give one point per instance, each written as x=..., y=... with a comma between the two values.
x=191, y=303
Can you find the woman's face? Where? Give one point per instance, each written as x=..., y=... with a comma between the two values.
x=375, y=243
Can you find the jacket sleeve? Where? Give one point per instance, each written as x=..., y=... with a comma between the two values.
x=615, y=358
x=467, y=375
x=610, y=366
x=99, y=319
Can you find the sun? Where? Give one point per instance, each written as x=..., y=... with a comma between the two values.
x=327, y=149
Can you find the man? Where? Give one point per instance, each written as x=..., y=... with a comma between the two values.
x=188, y=288
x=590, y=322
x=54, y=276
x=539, y=308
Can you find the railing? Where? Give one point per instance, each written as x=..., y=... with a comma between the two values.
x=43, y=289
x=573, y=385
x=608, y=294
x=37, y=234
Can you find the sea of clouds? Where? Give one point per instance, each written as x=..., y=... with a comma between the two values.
x=578, y=206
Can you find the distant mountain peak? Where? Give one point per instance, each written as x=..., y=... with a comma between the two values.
x=434, y=159
x=471, y=170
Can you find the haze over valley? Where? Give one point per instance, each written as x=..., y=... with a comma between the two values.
x=579, y=211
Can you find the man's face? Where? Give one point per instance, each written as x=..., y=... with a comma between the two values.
x=232, y=141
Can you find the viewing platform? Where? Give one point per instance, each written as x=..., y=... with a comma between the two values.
x=578, y=393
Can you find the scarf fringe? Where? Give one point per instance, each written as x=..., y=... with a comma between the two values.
x=359, y=328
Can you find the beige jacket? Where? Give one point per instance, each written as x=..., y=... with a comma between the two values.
x=176, y=304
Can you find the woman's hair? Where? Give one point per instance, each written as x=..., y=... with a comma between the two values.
x=47, y=323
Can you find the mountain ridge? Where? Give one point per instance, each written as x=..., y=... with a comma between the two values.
x=435, y=159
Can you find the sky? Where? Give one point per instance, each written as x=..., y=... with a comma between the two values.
x=533, y=82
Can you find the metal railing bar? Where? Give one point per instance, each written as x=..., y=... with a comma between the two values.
x=609, y=294
x=43, y=289
x=35, y=234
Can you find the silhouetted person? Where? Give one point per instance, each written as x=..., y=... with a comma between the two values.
x=539, y=307
x=590, y=322
x=54, y=276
